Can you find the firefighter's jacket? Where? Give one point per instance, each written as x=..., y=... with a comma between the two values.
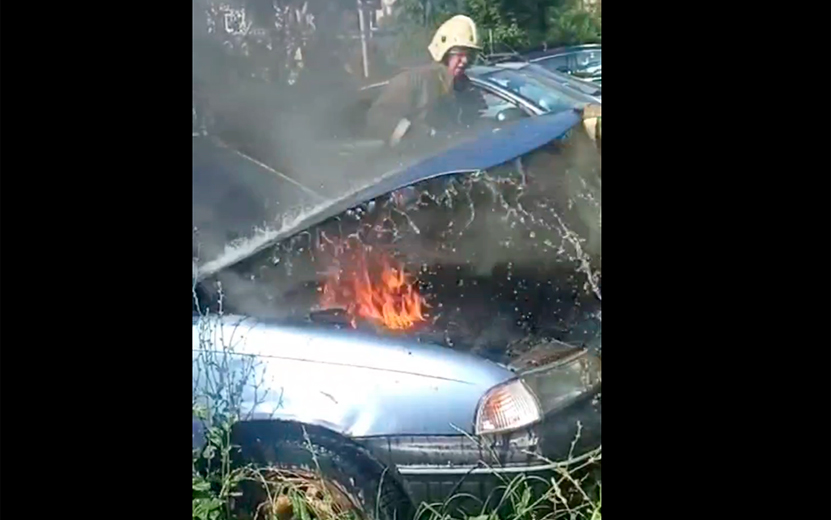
x=427, y=97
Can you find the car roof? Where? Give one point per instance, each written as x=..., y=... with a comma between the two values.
x=482, y=69
x=558, y=51
x=486, y=150
x=516, y=65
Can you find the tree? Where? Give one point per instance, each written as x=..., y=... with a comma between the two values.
x=571, y=23
x=507, y=25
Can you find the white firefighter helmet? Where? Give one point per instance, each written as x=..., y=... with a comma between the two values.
x=459, y=31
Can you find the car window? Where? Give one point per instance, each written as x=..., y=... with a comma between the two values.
x=568, y=80
x=588, y=61
x=585, y=61
x=496, y=104
x=556, y=63
x=541, y=93
x=484, y=262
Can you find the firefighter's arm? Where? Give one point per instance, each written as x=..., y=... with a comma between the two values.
x=591, y=121
x=390, y=117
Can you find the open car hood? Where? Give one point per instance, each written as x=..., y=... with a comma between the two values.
x=235, y=196
x=241, y=206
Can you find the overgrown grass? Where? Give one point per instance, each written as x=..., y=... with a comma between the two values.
x=574, y=491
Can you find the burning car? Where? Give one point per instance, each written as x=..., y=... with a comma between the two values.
x=428, y=335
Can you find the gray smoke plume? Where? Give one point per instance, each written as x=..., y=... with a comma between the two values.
x=517, y=247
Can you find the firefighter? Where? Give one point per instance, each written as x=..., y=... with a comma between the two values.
x=439, y=95
x=435, y=96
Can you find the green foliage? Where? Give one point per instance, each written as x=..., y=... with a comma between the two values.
x=498, y=27
x=219, y=377
x=215, y=480
x=504, y=25
x=572, y=25
x=572, y=493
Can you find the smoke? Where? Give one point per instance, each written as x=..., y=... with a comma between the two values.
x=281, y=82
x=269, y=81
x=524, y=238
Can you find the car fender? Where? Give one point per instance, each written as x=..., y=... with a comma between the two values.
x=355, y=384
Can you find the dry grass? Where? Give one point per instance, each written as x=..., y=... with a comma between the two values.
x=572, y=493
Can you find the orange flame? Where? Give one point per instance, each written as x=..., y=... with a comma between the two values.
x=388, y=298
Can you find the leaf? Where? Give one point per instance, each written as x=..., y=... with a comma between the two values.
x=214, y=437
x=299, y=504
x=200, y=412
x=201, y=485
x=206, y=508
x=526, y=497
x=209, y=452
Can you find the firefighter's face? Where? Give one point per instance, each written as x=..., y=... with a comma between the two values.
x=458, y=60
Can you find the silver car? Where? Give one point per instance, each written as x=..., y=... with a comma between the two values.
x=586, y=87
x=582, y=61
x=423, y=337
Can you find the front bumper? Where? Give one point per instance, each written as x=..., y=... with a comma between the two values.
x=435, y=468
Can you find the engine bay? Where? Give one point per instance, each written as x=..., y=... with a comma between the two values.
x=478, y=262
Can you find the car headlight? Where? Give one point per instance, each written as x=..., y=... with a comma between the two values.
x=508, y=406
x=536, y=393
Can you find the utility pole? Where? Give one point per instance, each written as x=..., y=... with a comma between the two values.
x=362, y=26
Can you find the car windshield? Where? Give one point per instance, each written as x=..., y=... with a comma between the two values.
x=488, y=262
x=583, y=63
x=544, y=93
x=570, y=81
